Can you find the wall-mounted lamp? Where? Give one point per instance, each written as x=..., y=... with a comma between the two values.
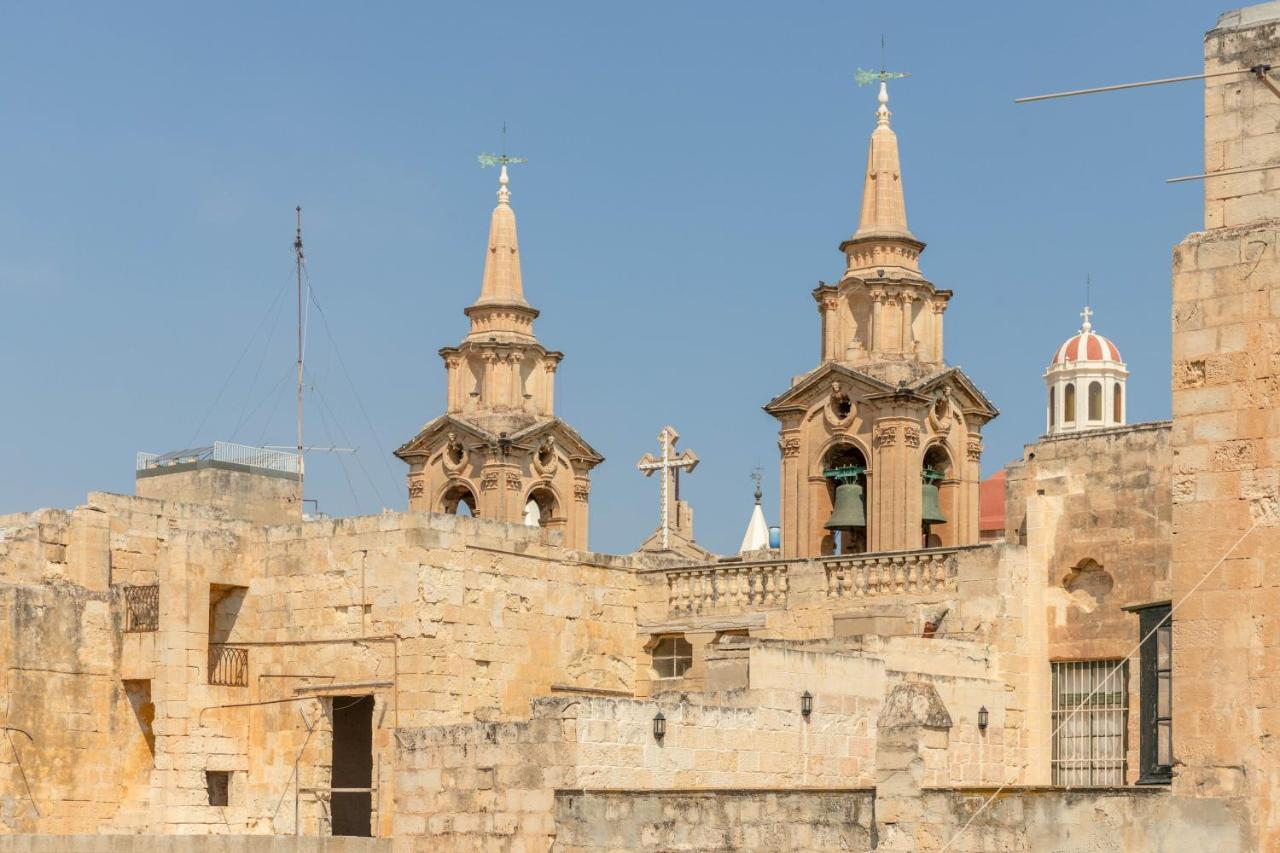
x=659, y=727
x=982, y=718
x=806, y=704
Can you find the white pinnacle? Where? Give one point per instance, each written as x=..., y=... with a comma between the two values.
x=504, y=194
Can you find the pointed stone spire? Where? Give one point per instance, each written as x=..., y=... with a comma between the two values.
x=502, y=284
x=502, y=306
x=883, y=238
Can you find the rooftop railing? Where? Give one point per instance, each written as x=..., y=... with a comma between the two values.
x=223, y=451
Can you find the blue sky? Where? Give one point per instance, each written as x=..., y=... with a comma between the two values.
x=693, y=168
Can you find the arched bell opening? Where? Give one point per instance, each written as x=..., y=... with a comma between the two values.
x=845, y=529
x=458, y=500
x=937, y=499
x=541, y=509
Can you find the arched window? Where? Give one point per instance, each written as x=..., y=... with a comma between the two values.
x=1095, y=401
x=458, y=500
x=936, y=497
x=540, y=509
x=852, y=539
x=1052, y=400
x=1117, y=406
x=1069, y=403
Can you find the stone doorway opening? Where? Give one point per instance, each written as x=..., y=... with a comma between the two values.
x=352, y=781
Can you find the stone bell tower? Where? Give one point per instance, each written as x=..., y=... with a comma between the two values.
x=499, y=452
x=882, y=413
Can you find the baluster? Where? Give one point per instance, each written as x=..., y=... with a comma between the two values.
x=913, y=574
x=858, y=579
x=784, y=585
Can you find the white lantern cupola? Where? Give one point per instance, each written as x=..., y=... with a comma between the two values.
x=1086, y=383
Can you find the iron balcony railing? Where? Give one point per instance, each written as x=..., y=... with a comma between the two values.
x=141, y=608
x=228, y=665
x=223, y=451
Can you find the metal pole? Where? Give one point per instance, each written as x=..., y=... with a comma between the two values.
x=297, y=251
x=1261, y=69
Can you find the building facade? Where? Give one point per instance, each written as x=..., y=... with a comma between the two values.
x=198, y=661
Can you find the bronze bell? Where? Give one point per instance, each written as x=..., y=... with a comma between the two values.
x=932, y=506
x=849, y=511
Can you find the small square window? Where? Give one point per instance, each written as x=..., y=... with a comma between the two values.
x=219, y=785
x=672, y=657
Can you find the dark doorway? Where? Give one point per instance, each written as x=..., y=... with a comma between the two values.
x=352, y=765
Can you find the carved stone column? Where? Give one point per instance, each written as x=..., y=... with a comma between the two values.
x=792, y=515
x=877, y=320
x=938, y=306
x=908, y=344
x=487, y=390
x=547, y=403
x=453, y=393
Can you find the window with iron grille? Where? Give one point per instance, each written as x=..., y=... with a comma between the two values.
x=1090, y=719
x=141, y=608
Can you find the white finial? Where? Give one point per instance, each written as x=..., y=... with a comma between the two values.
x=1086, y=314
x=504, y=194
x=882, y=114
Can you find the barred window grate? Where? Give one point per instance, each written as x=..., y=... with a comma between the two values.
x=1090, y=722
x=141, y=608
x=228, y=666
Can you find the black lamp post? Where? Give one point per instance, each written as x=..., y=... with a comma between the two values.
x=659, y=727
x=982, y=718
x=806, y=704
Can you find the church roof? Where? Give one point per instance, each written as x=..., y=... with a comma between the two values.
x=1086, y=345
x=991, y=503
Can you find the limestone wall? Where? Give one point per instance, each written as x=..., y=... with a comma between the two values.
x=440, y=619
x=1226, y=442
x=187, y=844
x=1084, y=820
x=1094, y=511
x=762, y=821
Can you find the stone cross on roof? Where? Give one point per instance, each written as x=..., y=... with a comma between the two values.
x=668, y=465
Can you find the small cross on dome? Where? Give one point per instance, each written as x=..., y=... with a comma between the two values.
x=1086, y=314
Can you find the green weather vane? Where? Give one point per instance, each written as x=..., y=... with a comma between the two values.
x=862, y=77
x=502, y=159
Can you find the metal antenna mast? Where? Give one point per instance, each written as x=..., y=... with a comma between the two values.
x=297, y=252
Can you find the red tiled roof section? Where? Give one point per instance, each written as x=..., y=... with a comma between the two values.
x=991, y=503
x=1096, y=348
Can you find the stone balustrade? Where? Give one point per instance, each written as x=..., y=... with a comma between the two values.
x=723, y=589
x=908, y=573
